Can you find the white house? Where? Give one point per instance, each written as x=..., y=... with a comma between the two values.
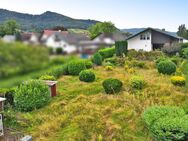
x=9, y=38
x=69, y=42
x=151, y=39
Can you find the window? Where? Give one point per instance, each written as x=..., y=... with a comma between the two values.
x=148, y=36
x=142, y=37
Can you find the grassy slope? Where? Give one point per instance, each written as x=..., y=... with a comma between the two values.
x=83, y=112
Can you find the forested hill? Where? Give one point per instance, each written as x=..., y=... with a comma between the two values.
x=45, y=20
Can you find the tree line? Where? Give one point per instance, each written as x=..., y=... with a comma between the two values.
x=182, y=31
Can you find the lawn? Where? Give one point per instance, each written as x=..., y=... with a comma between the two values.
x=83, y=112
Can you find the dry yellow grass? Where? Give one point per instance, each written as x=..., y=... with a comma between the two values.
x=83, y=112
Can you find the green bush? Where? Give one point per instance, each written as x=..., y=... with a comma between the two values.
x=185, y=53
x=59, y=50
x=135, y=63
x=97, y=59
x=31, y=95
x=166, y=67
x=121, y=48
x=47, y=77
x=57, y=72
x=75, y=67
x=160, y=59
x=87, y=76
x=176, y=60
x=112, y=86
x=107, y=52
x=167, y=123
x=144, y=55
x=88, y=64
x=183, y=46
x=137, y=83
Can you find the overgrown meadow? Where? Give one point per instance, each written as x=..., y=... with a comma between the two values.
x=105, y=98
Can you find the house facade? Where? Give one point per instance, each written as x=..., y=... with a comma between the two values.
x=69, y=42
x=151, y=39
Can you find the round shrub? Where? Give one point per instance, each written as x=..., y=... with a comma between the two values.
x=47, y=77
x=160, y=60
x=166, y=67
x=87, y=76
x=97, y=59
x=88, y=64
x=31, y=95
x=112, y=86
x=75, y=67
x=137, y=83
x=59, y=50
x=178, y=80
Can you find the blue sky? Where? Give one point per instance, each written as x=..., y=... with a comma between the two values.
x=168, y=14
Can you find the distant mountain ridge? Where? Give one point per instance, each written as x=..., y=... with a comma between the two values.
x=46, y=20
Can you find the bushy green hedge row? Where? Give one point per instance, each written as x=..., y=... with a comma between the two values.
x=18, y=58
x=121, y=48
x=167, y=123
x=107, y=52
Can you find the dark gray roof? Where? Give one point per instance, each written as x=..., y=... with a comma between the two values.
x=117, y=36
x=171, y=34
x=71, y=38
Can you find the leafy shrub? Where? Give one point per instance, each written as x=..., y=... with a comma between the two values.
x=183, y=46
x=75, y=67
x=135, y=63
x=171, y=49
x=112, y=61
x=176, y=60
x=47, y=77
x=137, y=83
x=87, y=76
x=59, y=50
x=178, y=80
x=57, y=72
x=107, y=52
x=109, y=68
x=88, y=64
x=185, y=53
x=166, y=67
x=97, y=59
x=143, y=55
x=51, y=50
x=31, y=95
x=160, y=59
x=121, y=48
x=167, y=123
x=112, y=86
